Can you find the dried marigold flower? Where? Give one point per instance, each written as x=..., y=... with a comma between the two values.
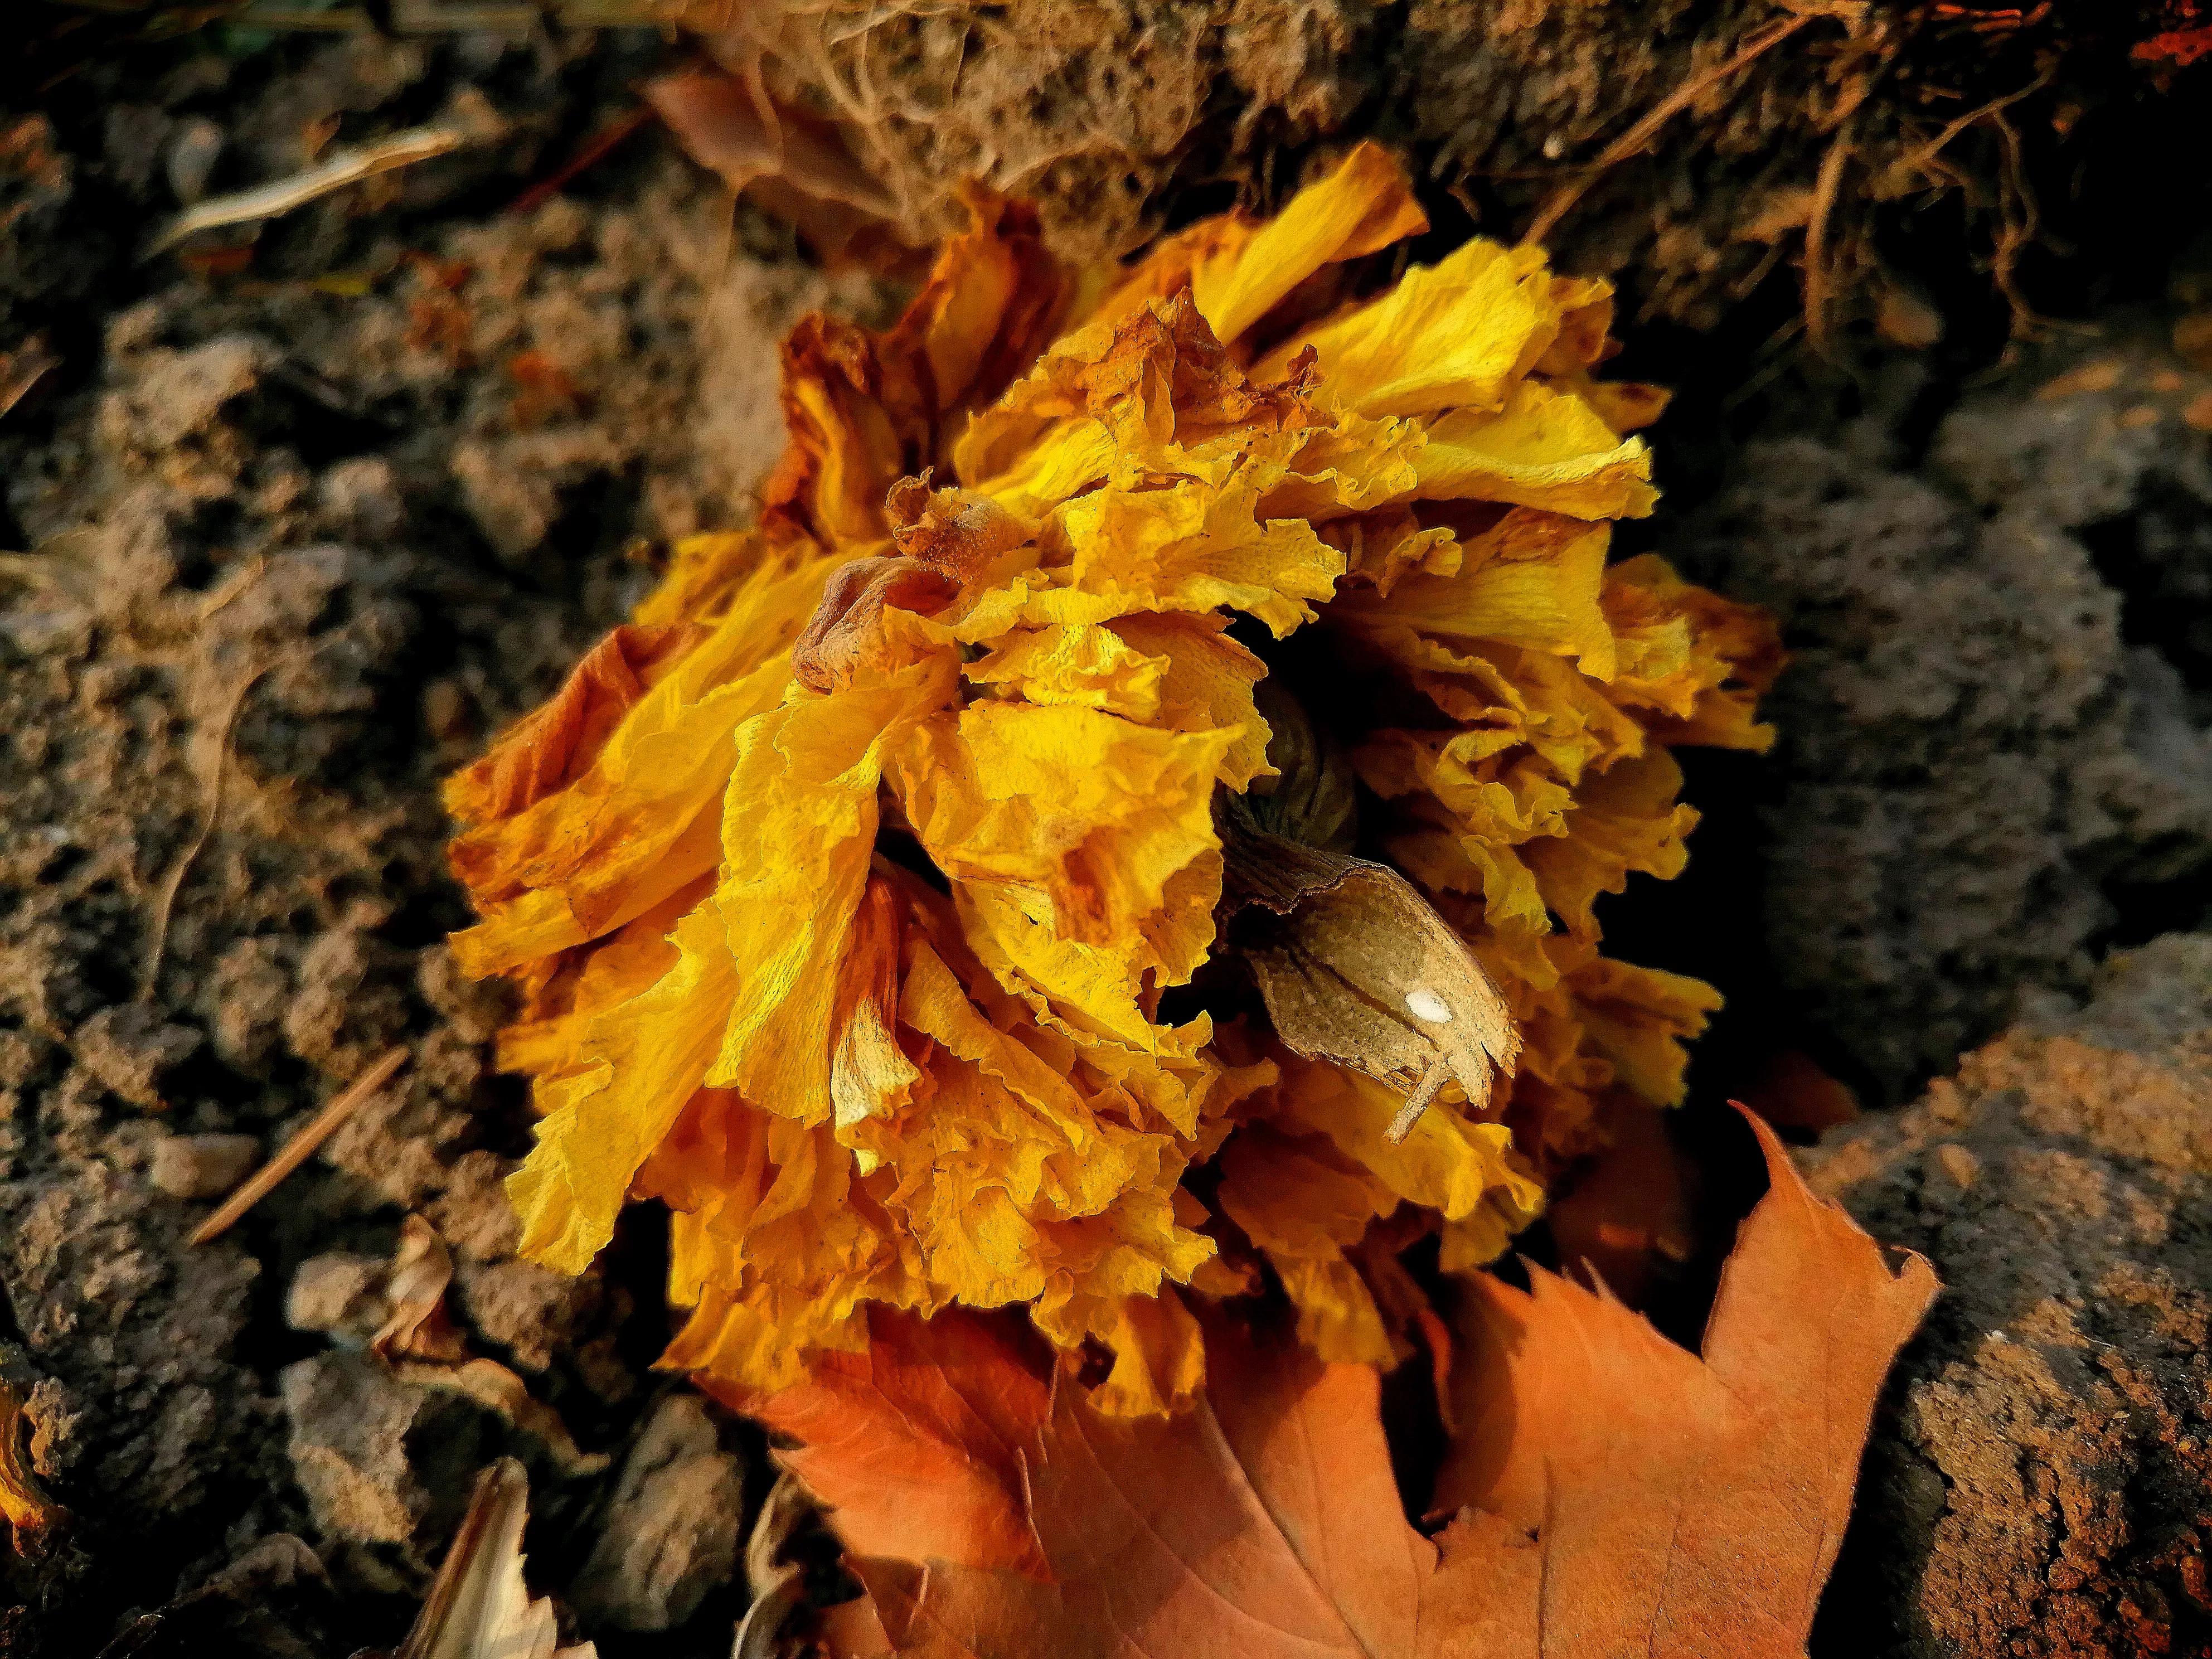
x=858, y=888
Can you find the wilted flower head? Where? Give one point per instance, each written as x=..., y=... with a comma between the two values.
x=944, y=891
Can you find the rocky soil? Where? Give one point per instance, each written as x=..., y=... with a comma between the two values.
x=307, y=510
x=2043, y=1485
x=1996, y=758
x=303, y=524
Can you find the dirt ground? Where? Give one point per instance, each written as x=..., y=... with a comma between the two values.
x=302, y=513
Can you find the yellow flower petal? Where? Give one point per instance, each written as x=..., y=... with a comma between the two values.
x=1158, y=1356
x=1302, y=1204
x=1693, y=657
x=1206, y=686
x=798, y=834
x=1533, y=578
x=1624, y=819
x=1366, y=204
x=1089, y=816
x=639, y=1064
x=1639, y=1018
x=642, y=821
x=1545, y=449
x=1453, y=336
x=1238, y=270
x=1081, y=665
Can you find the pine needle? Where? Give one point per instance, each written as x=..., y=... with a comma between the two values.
x=296, y=1151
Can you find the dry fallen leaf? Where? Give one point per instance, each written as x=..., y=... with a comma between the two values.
x=1795, y=1092
x=418, y=1326
x=774, y=1571
x=479, y=1606
x=793, y=164
x=420, y=1341
x=1619, y=1495
x=1684, y=1505
x=1627, y=1217
x=916, y=1441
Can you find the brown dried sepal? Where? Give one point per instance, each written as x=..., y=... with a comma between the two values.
x=1312, y=799
x=1357, y=968
x=956, y=532
x=843, y=635
x=946, y=538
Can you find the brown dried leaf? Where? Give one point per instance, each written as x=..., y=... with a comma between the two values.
x=790, y=163
x=479, y=1606
x=418, y=1326
x=1793, y=1092
x=1356, y=967
x=420, y=1341
x=1682, y=1504
x=1615, y=1494
x=777, y=1578
x=915, y=1444
x=1627, y=1217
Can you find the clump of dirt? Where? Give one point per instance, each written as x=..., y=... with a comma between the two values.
x=1996, y=748
x=2042, y=1486
x=308, y=517
x=1813, y=135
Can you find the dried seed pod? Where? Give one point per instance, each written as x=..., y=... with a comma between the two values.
x=1356, y=967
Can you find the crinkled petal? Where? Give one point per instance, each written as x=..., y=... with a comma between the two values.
x=1532, y=580
x=798, y=833
x=641, y=822
x=1459, y=335
x=1545, y=449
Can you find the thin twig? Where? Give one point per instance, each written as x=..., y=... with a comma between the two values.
x=168, y=902
x=300, y=1147
x=1825, y=185
x=342, y=167
x=23, y=368
x=593, y=149
x=1563, y=199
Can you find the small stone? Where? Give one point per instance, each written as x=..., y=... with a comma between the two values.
x=530, y=1311
x=670, y=1534
x=127, y=1048
x=339, y=1294
x=473, y=1214
x=192, y=154
x=381, y=1461
x=1956, y=1161
x=203, y=1166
